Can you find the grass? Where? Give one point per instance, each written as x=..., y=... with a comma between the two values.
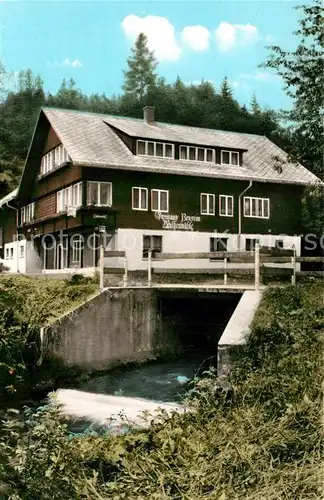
x=261, y=439
x=27, y=304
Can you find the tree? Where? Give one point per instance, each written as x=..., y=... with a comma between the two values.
x=68, y=97
x=225, y=89
x=255, y=106
x=140, y=75
x=303, y=75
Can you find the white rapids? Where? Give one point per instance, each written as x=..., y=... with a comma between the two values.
x=112, y=411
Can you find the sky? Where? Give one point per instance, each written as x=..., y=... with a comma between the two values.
x=90, y=42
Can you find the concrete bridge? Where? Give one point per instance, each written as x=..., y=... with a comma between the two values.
x=120, y=325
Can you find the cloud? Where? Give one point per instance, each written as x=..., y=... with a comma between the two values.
x=197, y=37
x=245, y=80
x=67, y=63
x=160, y=35
x=71, y=64
x=228, y=36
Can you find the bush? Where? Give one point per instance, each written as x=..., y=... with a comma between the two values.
x=26, y=304
x=260, y=440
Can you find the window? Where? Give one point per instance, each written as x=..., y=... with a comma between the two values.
x=54, y=158
x=7, y=253
x=257, y=207
x=230, y=158
x=77, y=247
x=250, y=244
x=159, y=200
x=139, y=198
x=160, y=149
x=207, y=204
x=279, y=244
x=218, y=244
x=226, y=205
x=28, y=213
x=22, y=251
x=197, y=154
x=11, y=253
x=69, y=197
x=153, y=243
x=99, y=194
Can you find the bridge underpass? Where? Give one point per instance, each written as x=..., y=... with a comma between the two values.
x=194, y=321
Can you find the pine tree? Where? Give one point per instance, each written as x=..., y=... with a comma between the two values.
x=140, y=75
x=255, y=106
x=225, y=89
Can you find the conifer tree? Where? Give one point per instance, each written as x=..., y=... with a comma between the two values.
x=140, y=75
x=255, y=106
x=225, y=89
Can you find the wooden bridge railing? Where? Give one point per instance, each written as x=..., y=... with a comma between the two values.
x=258, y=257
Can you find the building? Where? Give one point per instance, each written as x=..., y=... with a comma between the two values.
x=145, y=185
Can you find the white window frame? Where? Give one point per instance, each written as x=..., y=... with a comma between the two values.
x=196, y=153
x=27, y=213
x=77, y=247
x=140, y=198
x=226, y=197
x=65, y=197
x=151, y=247
x=230, y=157
x=208, y=212
x=265, y=201
x=55, y=158
x=98, y=199
x=164, y=144
x=159, y=191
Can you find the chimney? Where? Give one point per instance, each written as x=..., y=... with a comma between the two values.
x=149, y=112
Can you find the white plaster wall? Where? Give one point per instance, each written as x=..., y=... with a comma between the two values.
x=16, y=263
x=131, y=241
x=33, y=261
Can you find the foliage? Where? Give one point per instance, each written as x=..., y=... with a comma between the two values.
x=140, y=75
x=303, y=74
x=313, y=210
x=259, y=439
x=26, y=304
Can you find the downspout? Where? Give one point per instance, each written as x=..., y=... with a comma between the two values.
x=17, y=246
x=240, y=215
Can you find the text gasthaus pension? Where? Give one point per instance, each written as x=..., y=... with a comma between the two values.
x=175, y=221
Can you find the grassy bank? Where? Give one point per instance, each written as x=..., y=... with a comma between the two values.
x=26, y=304
x=263, y=439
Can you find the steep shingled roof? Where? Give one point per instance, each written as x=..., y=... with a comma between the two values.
x=90, y=139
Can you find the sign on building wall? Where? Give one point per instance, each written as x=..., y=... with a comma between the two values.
x=181, y=221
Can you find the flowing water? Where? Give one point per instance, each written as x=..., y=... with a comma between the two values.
x=137, y=387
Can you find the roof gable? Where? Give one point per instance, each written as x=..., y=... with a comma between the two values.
x=91, y=140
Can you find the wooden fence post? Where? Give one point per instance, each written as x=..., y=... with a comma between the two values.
x=225, y=274
x=293, y=262
x=125, y=271
x=149, y=268
x=257, y=267
x=101, y=267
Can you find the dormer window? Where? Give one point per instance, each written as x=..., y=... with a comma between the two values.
x=159, y=149
x=54, y=159
x=230, y=158
x=197, y=154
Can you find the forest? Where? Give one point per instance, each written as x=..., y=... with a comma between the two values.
x=298, y=131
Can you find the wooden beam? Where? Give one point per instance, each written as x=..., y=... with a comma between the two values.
x=310, y=259
x=114, y=253
x=114, y=270
x=207, y=255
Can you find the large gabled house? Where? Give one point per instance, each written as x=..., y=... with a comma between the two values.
x=148, y=185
